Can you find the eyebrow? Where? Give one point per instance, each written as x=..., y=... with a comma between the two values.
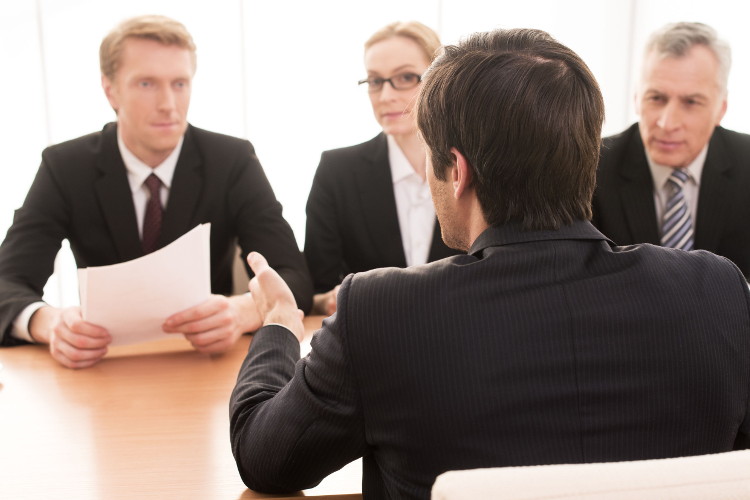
x=696, y=95
x=396, y=70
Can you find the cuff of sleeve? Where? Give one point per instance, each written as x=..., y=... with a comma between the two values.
x=20, y=328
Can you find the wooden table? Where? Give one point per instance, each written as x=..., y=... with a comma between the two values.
x=148, y=421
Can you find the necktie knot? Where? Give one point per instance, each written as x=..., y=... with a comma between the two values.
x=153, y=183
x=679, y=178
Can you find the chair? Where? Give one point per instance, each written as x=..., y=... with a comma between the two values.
x=724, y=476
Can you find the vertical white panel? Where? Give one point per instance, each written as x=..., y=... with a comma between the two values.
x=303, y=63
x=23, y=126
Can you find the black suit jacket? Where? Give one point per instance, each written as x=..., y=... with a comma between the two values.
x=536, y=348
x=81, y=193
x=352, y=222
x=623, y=203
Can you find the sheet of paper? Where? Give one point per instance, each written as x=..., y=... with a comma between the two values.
x=132, y=299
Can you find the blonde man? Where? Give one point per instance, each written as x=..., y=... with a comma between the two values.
x=134, y=187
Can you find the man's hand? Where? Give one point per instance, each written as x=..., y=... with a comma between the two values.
x=73, y=342
x=216, y=324
x=273, y=297
x=325, y=303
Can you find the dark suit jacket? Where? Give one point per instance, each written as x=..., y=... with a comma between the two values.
x=536, y=348
x=81, y=193
x=352, y=223
x=624, y=202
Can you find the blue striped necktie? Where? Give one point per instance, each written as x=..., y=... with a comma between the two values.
x=677, y=225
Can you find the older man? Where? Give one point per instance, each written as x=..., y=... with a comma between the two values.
x=545, y=344
x=136, y=186
x=676, y=178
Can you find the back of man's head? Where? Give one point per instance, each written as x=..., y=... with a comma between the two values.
x=527, y=113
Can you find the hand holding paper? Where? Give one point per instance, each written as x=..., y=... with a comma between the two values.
x=132, y=300
x=73, y=342
x=216, y=324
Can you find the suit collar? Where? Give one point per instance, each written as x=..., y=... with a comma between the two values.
x=713, y=209
x=375, y=187
x=637, y=190
x=185, y=192
x=510, y=234
x=116, y=199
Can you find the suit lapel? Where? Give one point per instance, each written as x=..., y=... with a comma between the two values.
x=115, y=198
x=713, y=209
x=375, y=186
x=184, y=194
x=637, y=193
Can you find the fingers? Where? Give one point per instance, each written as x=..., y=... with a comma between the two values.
x=257, y=262
x=197, y=318
x=76, y=343
x=212, y=326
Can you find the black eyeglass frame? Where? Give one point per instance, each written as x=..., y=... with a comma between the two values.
x=380, y=82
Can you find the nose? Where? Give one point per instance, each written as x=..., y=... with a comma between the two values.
x=388, y=93
x=166, y=99
x=670, y=117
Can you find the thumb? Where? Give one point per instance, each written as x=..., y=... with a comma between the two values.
x=257, y=262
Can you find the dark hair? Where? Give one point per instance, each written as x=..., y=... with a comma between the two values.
x=527, y=114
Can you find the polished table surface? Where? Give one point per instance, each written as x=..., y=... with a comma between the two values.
x=149, y=421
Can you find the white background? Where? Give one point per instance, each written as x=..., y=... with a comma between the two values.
x=283, y=74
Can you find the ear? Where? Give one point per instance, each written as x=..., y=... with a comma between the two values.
x=111, y=92
x=461, y=174
x=722, y=112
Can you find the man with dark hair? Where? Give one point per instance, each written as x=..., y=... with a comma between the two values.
x=134, y=187
x=545, y=344
x=677, y=178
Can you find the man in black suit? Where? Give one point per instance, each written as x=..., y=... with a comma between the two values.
x=91, y=190
x=545, y=344
x=681, y=100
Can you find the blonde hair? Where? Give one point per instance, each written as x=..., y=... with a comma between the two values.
x=422, y=35
x=151, y=27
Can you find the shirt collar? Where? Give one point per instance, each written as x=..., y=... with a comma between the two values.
x=138, y=171
x=513, y=233
x=660, y=173
x=400, y=166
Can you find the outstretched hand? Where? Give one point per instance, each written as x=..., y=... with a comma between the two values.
x=273, y=298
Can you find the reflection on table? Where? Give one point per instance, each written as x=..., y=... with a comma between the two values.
x=149, y=421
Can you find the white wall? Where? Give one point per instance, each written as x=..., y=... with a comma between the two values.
x=283, y=74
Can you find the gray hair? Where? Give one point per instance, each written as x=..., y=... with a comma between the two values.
x=676, y=39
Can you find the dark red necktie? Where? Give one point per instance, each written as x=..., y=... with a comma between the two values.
x=152, y=219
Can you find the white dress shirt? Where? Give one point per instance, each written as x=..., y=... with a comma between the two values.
x=416, y=214
x=660, y=174
x=137, y=173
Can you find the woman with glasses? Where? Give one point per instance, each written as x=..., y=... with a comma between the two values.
x=370, y=205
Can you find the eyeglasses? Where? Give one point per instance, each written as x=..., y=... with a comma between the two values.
x=404, y=81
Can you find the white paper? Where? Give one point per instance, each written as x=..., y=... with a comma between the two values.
x=132, y=299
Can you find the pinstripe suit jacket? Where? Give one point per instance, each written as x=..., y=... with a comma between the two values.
x=535, y=348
